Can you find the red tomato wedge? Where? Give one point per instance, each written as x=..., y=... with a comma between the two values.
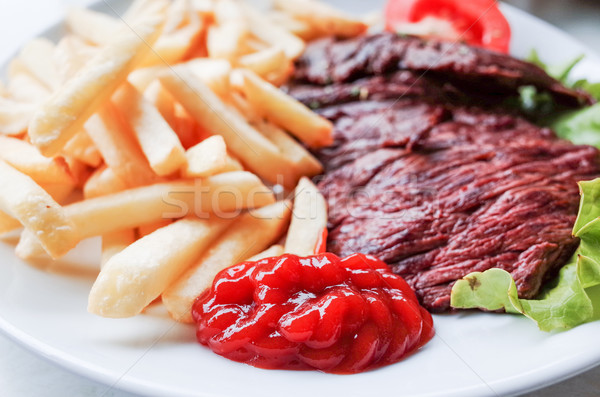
x=477, y=22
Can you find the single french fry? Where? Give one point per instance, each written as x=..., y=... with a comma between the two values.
x=103, y=182
x=142, y=78
x=24, y=87
x=92, y=26
x=15, y=116
x=298, y=28
x=83, y=149
x=8, y=223
x=213, y=72
x=27, y=159
x=61, y=117
x=37, y=57
x=271, y=252
x=182, y=29
x=245, y=108
x=309, y=219
x=224, y=195
x=267, y=31
x=156, y=94
x=115, y=242
x=286, y=111
x=325, y=18
x=140, y=273
x=229, y=11
x=150, y=228
x=71, y=54
x=118, y=147
x=209, y=157
x=265, y=62
x=225, y=41
x=23, y=199
x=248, y=236
x=159, y=143
x=304, y=161
x=248, y=145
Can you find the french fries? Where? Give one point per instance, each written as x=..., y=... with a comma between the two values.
x=136, y=276
x=209, y=157
x=305, y=163
x=224, y=193
x=27, y=159
x=15, y=116
x=27, y=202
x=35, y=57
x=158, y=141
x=115, y=242
x=118, y=147
x=59, y=119
x=23, y=87
x=103, y=182
x=239, y=242
x=285, y=111
x=152, y=118
x=322, y=17
x=265, y=62
x=271, y=33
x=309, y=219
x=83, y=149
x=254, y=150
x=92, y=26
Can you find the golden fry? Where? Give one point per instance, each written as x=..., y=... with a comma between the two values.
x=136, y=276
x=286, y=111
x=55, y=123
x=158, y=141
x=120, y=151
x=37, y=211
x=309, y=219
x=247, y=236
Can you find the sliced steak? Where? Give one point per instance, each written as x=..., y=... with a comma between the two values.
x=432, y=185
x=471, y=69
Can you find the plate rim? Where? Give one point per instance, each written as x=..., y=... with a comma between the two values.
x=112, y=380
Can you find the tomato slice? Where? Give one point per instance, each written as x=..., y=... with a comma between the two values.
x=477, y=22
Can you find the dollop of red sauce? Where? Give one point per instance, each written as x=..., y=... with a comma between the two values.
x=320, y=312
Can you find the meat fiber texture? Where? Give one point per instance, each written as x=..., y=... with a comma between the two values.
x=433, y=176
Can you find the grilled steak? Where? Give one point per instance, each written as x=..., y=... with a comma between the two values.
x=428, y=182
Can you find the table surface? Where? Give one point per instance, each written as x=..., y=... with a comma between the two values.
x=24, y=374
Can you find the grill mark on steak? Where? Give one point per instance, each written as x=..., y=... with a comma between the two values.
x=431, y=184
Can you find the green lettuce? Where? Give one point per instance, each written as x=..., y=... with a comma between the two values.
x=573, y=298
x=581, y=127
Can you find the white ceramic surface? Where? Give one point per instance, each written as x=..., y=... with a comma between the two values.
x=473, y=354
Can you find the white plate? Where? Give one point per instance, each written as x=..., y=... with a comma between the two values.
x=473, y=354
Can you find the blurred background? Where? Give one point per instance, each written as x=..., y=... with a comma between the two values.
x=580, y=18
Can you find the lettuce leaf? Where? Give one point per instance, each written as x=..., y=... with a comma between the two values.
x=581, y=127
x=573, y=298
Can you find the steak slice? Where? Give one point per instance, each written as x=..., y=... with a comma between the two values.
x=472, y=69
x=434, y=186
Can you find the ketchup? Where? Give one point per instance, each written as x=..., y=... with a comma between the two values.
x=320, y=312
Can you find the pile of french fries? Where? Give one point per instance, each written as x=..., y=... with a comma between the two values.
x=163, y=131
